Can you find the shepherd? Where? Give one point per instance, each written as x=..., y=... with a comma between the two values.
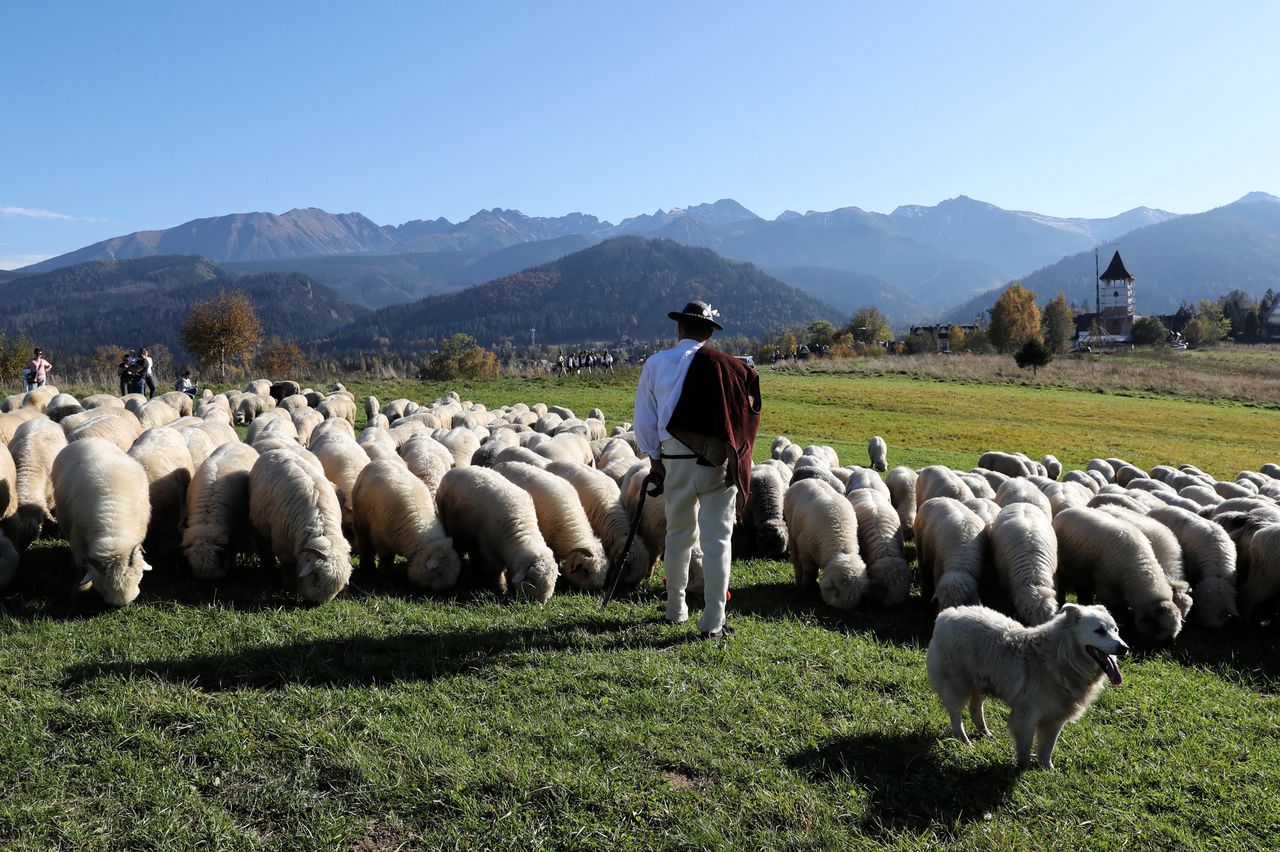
x=696, y=417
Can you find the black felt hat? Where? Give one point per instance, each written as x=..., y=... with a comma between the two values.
x=700, y=311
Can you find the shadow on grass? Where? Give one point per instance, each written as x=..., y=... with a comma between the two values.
x=909, y=624
x=1249, y=656
x=368, y=661
x=908, y=788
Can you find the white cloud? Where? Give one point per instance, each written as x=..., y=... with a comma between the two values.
x=30, y=213
x=17, y=261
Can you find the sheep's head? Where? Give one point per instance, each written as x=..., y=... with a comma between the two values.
x=584, y=569
x=436, y=566
x=323, y=570
x=1181, y=595
x=843, y=582
x=772, y=540
x=117, y=578
x=24, y=527
x=1158, y=622
x=1215, y=603
x=956, y=588
x=535, y=580
x=890, y=580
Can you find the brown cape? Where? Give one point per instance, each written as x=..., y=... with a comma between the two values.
x=718, y=415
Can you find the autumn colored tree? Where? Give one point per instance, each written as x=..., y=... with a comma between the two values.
x=820, y=333
x=1058, y=324
x=869, y=325
x=1208, y=327
x=222, y=328
x=279, y=359
x=1015, y=319
x=460, y=357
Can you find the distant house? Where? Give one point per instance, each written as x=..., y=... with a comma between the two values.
x=942, y=333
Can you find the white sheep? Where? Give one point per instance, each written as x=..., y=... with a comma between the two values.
x=494, y=522
x=103, y=511
x=653, y=522
x=35, y=445
x=563, y=524
x=901, y=482
x=1024, y=554
x=878, y=451
x=261, y=387
x=978, y=483
x=951, y=551
x=601, y=499
x=1010, y=464
x=395, y=515
x=62, y=405
x=163, y=453
x=342, y=459
x=938, y=481
x=121, y=430
x=218, y=511
x=1023, y=491
x=427, y=459
x=250, y=407
x=297, y=519
x=1104, y=557
x=8, y=485
x=1209, y=561
x=880, y=545
x=763, y=525
x=1166, y=548
x=823, y=539
x=338, y=407
x=462, y=443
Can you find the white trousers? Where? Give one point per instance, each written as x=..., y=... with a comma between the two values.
x=700, y=510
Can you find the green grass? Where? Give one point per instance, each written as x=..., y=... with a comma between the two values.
x=232, y=717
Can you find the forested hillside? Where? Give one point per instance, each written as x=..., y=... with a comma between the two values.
x=623, y=286
x=75, y=310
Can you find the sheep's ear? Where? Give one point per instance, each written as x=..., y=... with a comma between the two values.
x=1071, y=612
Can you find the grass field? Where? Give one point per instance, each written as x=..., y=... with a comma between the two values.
x=232, y=717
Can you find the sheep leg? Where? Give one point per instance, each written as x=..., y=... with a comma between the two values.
x=1023, y=728
x=1049, y=732
x=976, y=702
x=957, y=725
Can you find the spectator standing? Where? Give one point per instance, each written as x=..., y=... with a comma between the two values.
x=37, y=372
x=146, y=364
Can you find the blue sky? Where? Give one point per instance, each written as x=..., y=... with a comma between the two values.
x=116, y=117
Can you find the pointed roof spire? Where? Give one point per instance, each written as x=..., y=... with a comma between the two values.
x=1116, y=271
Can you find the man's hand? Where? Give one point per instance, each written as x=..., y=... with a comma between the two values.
x=657, y=476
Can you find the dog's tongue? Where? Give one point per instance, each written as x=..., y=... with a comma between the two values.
x=1112, y=669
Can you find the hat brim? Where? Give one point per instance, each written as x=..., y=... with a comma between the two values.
x=679, y=315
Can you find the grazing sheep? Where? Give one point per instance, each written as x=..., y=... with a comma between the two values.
x=1243, y=504
x=379, y=444
x=1067, y=494
x=462, y=443
x=902, y=492
x=278, y=421
x=8, y=485
x=983, y=508
x=1104, y=557
x=121, y=430
x=297, y=519
x=62, y=405
x=218, y=511
x=865, y=478
x=1228, y=490
x=823, y=453
x=1006, y=463
x=819, y=471
x=342, y=459
x=567, y=446
x=1166, y=548
x=1023, y=491
x=613, y=450
x=178, y=401
x=878, y=451
x=1151, y=485
x=296, y=402
x=99, y=400
x=1024, y=553
x=395, y=515
x=103, y=512
x=764, y=527
x=1129, y=473
x=1052, y=467
x=283, y=389
x=34, y=447
x=488, y=450
x=399, y=408
x=332, y=425
x=563, y=524
x=338, y=407
x=427, y=459
x=9, y=423
x=823, y=536
x=1103, y=468
x=1209, y=562
x=250, y=407
x=951, y=550
x=979, y=485
x=1082, y=478
x=199, y=443
x=1259, y=551
x=938, y=481
x=601, y=498
x=305, y=423
x=1112, y=499
x=260, y=387
x=163, y=453
x=653, y=522
x=994, y=478
x=494, y=522
x=880, y=545
x=525, y=455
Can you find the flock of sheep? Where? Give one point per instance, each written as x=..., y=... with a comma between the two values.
x=1017, y=535
x=525, y=498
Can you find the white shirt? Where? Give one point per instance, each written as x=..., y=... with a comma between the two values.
x=658, y=392
x=146, y=363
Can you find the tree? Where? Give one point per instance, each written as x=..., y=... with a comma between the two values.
x=1208, y=327
x=1251, y=325
x=1058, y=323
x=869, y=325
x=975, y=341
x=957, y=337
x=820, y=333
x=222, y=328
x=1148, y=331
x=921, y=343
x=1015, y=319
x=279, y=359
x=459, y=357
x=1033, y=354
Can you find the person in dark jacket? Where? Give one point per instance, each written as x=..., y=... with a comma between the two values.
x=696, y=417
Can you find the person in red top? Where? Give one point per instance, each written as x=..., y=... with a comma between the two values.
x=37, y=371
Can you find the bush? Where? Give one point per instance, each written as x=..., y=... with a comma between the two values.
x=1149, y=331
x=1033, y=354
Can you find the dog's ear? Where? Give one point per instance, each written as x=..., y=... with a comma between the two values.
x=1071, y=613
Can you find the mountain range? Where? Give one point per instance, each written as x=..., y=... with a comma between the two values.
x=916, y=263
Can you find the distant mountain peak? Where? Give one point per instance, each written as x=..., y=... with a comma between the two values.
x=1257, y=196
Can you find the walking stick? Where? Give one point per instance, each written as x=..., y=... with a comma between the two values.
x=615, y=570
